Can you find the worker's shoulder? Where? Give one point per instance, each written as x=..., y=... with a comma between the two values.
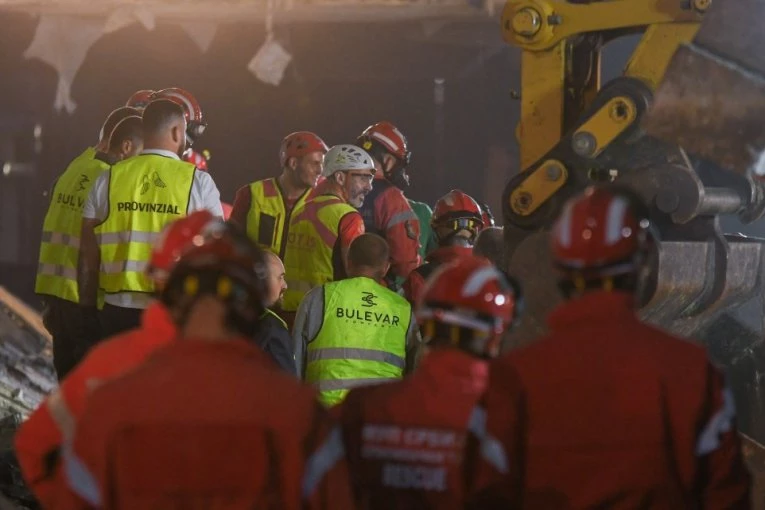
x=420, y=207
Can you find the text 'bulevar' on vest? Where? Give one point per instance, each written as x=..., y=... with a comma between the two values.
x=311, y=242
x=268, y=217
x=145, y=193
x=60, y=247
x=362, y=339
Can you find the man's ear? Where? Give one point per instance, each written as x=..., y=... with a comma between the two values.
x=177, y=133
x=292, y=163
x=127, y=148
x=339, y=178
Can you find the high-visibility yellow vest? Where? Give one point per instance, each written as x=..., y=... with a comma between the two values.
x=60, y=247
x=268, y=217
x=362, y=339
x=311, y=242
x=145, y=193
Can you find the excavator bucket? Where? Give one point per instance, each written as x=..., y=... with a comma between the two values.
x=720, y=117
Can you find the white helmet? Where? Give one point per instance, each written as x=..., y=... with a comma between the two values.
x=341, y=158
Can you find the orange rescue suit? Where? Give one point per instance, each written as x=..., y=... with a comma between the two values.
x=206, y=424
x=39, y=439
x=405, y=440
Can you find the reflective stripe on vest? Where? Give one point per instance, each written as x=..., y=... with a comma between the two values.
x=362, y=339
x=145, y=193
x=60, y=246
x=311, y=243
x=268, y=217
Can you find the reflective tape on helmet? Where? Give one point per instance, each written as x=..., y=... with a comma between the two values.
x=322, y=461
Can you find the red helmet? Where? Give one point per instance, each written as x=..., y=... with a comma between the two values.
x=458, y=211
x=472, y=295
x=300, y=143
x=387, y=136
x=199, y=160
x=602, y=232
x=487, y=216
x=194, y=118
x=141, y=98
x=222, y=262
x=174, y=240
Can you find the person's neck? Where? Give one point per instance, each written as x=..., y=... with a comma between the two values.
x=158, y=144
x=365, y=272
x=206, y=321
x=290, y=190
x=333, y=188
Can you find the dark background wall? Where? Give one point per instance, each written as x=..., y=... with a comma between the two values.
x=344, y=76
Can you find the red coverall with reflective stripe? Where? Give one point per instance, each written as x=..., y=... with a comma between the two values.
x=395, y=220
x=405, y=440
x=39, y=439
x=415, y=282
x=205, y=424
x=616, y=414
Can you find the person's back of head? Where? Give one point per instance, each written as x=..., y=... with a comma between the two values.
x=127, y=138
x=603, y=241
x=490, y=244
x=114, y=118
x=369, y=255
x=164, y=126
x=468, y=304
x=217, y=288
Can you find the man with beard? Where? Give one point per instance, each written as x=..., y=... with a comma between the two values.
x=127, y=208
x=322, y=230
x=263, y=208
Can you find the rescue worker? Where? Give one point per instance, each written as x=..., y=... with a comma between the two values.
x=386, y=211
x=466, y=307
x=126, y=139
x=273, y=334
x=73, y=329
x=355, y=332
x=127, y=208
x=263, y=208
x=490, y=243
x=322, y=229
x=427, y=239
x=38, y=440
x=141, y=99
x=456, y=223
x=176, y=432
x=614, y=412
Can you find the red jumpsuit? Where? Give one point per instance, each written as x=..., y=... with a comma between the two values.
x=405, y=440
x=387, y=212
x=39, y=439
x=206, y=424
x=617, y=414
x=415, y=282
